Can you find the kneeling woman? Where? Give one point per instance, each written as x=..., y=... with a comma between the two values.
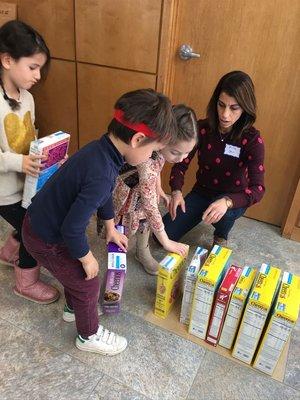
x=230, y=151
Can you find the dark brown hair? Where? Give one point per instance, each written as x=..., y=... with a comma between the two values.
x=186, y=124
x=145, y=106
x=239, y=85
x=21, y=40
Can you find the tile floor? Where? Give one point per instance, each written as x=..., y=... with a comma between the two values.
x=38, y=359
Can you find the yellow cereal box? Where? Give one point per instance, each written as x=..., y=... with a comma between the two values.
x=280, y=325
x=236, y=307
x=191, y=274
x=208, y=282
x=168, y=281
x=256, y=312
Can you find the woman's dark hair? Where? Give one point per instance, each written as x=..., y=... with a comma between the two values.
x=239, y=85
x=186, y=124
x=21, y=40
x=145, y=106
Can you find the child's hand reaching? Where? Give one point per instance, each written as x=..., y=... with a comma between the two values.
x=112, y=235
x=165, y=198
x=176, y=247
x=31, y=164
x=90, y=265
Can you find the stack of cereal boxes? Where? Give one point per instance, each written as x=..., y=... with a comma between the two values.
x=208, y=282
x=283, y=318
x=190, y=282
x=55, y=148
x=168, y=282
x=221, y=304
x=115, y=277
x=256, y=312
x=236, y=307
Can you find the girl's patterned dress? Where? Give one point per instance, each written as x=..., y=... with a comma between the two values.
x=136, y=196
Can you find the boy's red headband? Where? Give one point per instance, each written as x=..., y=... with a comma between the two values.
x=137, y=127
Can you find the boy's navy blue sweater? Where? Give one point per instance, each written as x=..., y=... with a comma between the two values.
x=61, y=210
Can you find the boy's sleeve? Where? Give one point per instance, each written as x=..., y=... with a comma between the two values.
x=106, y=212
x=92, y=195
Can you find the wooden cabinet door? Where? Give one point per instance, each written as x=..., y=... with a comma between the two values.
x=98, y=90
x=118, y=33
x=56, y=103
x=262, y=39
x=54, y=19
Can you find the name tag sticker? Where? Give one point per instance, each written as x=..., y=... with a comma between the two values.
x=232, y=151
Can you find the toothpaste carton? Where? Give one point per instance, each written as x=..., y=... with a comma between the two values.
x=190, y=282
x=55, y=147
x=115, y=277
x=168, y=281
x=256, y=312
x=236, y=307
x=280, y=325
x=221, y=304
x=208, y=282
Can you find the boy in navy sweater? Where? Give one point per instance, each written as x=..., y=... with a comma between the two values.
x=55, y=224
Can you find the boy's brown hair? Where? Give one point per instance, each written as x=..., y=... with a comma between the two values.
x=148, y=107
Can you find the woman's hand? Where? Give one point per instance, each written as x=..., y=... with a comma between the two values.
x=215, y=211
x=176, y=200
x=31, y=164
x=176, y=247
x=112, y=235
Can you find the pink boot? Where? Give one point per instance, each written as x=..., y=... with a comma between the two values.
x=9, y=252
x=31, y=288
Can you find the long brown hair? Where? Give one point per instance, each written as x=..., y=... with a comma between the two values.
x=239, y=85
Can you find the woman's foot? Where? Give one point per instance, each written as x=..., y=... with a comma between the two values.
x=102, y=342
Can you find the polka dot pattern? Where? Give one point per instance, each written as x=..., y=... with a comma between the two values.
x=218, y=160
x=227, y=173
x=209, y=146
x=237, y=182
x=241, y=163
x=249, y=157
x=244, y=142
x=260, y=140
x=187, y=160
x=203, y=131
x=216, y=181
x=261, y=168
x=260, y=188
x=248, y=191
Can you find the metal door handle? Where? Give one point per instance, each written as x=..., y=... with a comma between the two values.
x=186, y=52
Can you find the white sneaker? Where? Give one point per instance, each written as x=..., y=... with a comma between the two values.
x=103, y=342
x=69, y=315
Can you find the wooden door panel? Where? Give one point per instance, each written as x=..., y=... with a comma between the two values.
x=54, y=19
x=98, y=90
x=121, y=34
x=55, y=100
x=260, y=38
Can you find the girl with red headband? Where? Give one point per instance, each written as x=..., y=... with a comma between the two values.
x=54, y=228
x=138, y=191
